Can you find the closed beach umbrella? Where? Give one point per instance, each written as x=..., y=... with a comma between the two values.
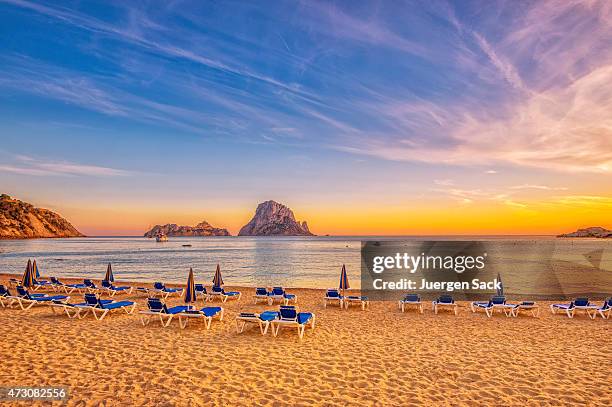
x=218, y=280
x=190, y=292
x=500, y=290
x=109, y=274
x=35, y=268
x=28, y=276
x=344, y=284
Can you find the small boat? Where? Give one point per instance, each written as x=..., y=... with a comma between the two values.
x=160, y=237
x=186, y=245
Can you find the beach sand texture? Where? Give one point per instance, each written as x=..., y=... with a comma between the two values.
x=374, y=357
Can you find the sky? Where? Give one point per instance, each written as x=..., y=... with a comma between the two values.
x=373, y=117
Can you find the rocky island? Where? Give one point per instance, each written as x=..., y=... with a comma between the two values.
x=201, y=229
x=273, y=219
x=596, y=231
x=21, y=220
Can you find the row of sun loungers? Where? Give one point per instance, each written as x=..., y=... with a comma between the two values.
x=499, y=303
x=276, y=294
x=25, y=300
x=583, y=304
x=159, y=289
x=158, y=309
x=99, y=308
x=333, y=297
x=288, y=316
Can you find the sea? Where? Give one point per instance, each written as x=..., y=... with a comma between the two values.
x=301, y=262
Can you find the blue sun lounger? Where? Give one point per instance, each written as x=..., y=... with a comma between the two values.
x=113, y=289
x=290, y=317
x=73, y=310
x=411, y=300
x=496, y=302
x=91, y=286
x=361, y=300
x=6, y=298
x=261, y=319
x=201, y=290
x=604, y=310
x=333, y=296
x=261, y=294
x=25, y=300
x=158, y=308
x=100, y=308
x=219, y=292
x=41, y=284
x=279, y=293
x=164, y=292
x=527, y=306
x=579, y=304
x=206, y=314
x=445, y=302
x=68, y=288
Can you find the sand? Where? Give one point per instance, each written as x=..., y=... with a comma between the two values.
x=374, y=357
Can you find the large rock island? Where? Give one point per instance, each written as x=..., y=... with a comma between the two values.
x=272, y=219
x=201, y=229
x=21, y=220
x=596, y=231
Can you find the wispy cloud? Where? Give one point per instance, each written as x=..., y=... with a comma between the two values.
x=563, y=125
x=367, y=79
x=31, y=166
x=586, y=200
x=540, y=187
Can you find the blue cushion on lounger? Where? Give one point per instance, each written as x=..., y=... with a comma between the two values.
x=333, y=294
x=178, y=309
x=268, y=315
x=4, y=292
x=581, y=302
x=118, y=304
x=210, y=311
x=445, y=299
x=261, y=291
x=156, y=305
x=303, y=317
x=288, y=312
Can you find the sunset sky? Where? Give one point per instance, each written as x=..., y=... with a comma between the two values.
x=471, y=117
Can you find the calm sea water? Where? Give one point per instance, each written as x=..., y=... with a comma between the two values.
x=248, y=261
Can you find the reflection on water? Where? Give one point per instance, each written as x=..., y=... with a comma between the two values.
x=254, y=261
x=289, y=261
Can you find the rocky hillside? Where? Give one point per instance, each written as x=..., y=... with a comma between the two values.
x=590, y=232
x=20, y=220
x=201, y=229
x=272, y=218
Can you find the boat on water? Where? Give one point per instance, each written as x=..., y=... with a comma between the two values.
x=160, y=237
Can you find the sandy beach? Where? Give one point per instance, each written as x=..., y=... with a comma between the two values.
x=374, y=357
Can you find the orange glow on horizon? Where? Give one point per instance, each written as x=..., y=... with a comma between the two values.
x=448, y=218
